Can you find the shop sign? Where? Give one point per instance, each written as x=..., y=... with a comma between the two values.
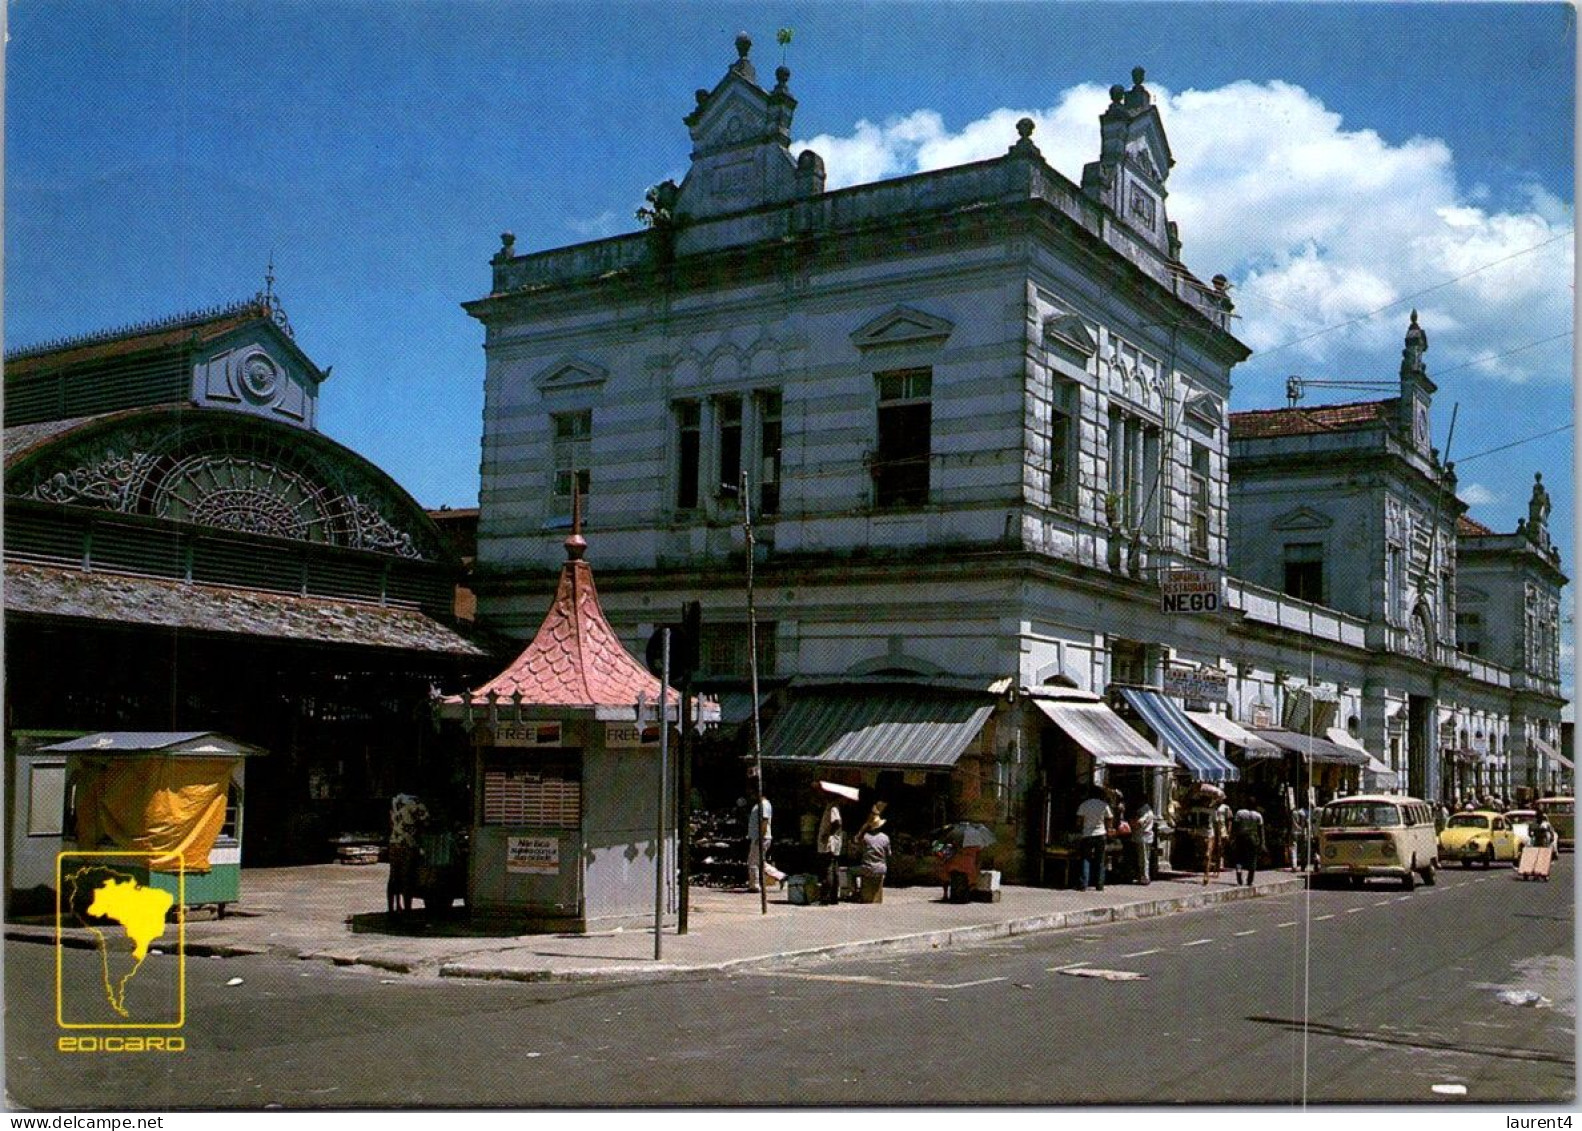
x=532, y=855
x=1209, y=685
x=1190, y=590
x=630, y=736
x=527, y=734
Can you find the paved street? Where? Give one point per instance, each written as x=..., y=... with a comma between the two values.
x=1400, y=995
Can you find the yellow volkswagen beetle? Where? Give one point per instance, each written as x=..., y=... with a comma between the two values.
x=1482, y=837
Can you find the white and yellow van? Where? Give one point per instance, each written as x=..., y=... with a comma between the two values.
x=1377, y=835
x=1562, y=814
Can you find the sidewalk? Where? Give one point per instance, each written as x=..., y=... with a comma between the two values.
x=332, y=912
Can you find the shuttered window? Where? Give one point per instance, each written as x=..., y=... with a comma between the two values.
x=544, y=794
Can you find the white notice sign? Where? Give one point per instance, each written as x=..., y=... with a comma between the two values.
x=532, y=855
x=1190, y=590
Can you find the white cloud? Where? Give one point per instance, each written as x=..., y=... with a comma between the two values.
x=607, y=223
x=1477, y=495
x=1316, y=221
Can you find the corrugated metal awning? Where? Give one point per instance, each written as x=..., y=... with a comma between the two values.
x=1312, y=747
x=1102, y=733
x=877, y=727
x=183, y=743
x=1180, y=737
x=1221, y=727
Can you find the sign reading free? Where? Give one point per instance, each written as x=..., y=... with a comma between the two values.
x=1191, y=590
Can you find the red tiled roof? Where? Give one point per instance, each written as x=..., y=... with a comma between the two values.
x=99, y=347
x=1308, y=421
x=1471, y=526
x=575, y=660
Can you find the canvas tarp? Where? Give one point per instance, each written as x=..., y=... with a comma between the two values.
x=173, y=807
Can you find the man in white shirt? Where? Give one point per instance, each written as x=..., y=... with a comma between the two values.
x=1143, y=839
x=1093, y=825
x=760, y=835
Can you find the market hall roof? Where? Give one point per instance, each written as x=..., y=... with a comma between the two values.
x=46, y=591
x=575, y=659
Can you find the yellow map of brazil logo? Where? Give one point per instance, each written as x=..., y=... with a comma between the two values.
x=133, y=975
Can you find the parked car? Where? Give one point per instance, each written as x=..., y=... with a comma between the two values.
x=1481, y=837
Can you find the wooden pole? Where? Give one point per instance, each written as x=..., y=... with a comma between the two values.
x=752, y=670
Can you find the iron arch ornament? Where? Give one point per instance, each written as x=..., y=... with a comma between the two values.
x=249, y=479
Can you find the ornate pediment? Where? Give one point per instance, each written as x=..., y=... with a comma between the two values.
x=1303, y=518
x=902, y=326
x=1206, y=407
x=1069, y=334
x=570, y=373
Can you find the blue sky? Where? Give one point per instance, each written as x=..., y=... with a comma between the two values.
x=1340, y=163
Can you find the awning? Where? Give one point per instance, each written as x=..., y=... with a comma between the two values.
x=1102, y=733
x=1380, y=776
x=1180, y=737
x=890, y=727
x=1311, y=747
x=1221, y=727
x=1552, y=754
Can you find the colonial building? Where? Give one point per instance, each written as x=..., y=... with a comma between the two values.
x=977, y=415
x=1349, y=507
x=184, y=550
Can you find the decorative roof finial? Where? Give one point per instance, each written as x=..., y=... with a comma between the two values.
x=744, y=44
x=1138, y=74
x=576, y=544
x=269, y=280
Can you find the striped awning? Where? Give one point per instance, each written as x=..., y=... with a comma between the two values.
x=880, y=726
x=1221, y=727
x=1311, y=747
x=1102, y=733
x=1180, y=737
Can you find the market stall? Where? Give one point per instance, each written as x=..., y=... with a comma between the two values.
x=172, y=801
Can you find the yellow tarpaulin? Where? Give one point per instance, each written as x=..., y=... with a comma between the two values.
x=170, y=806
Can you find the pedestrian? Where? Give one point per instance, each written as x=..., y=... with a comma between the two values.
x=1542, y=833
x=1247, y=846
x=1143, y=838
x=760, y=836
x=1220, y=823
x=408, y=816
x=829, y=841
x=1299, y=833
x=1093, y=825
x=874, y=844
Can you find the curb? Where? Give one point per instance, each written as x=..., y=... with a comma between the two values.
x=899, y=944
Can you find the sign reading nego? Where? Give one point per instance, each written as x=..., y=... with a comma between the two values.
x=1190, y=590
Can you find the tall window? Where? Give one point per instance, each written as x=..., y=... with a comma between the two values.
x=901, y=463
x=1394, y=585
x=1134, y=470
x=1199, y=501
x=728, y=413
x=1469, y=633
x=722, y=649
x=1304, y=571
x=573, y=449
x=1128, y=661
x=1062, y=447
x=769, y=441
x=690, y=443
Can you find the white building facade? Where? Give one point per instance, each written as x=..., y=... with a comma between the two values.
x=977, y=413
